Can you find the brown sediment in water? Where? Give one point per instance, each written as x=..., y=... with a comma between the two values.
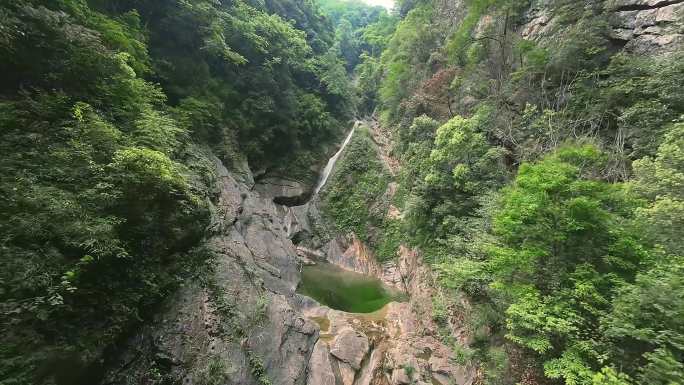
x=324, y=326
x=323, y=323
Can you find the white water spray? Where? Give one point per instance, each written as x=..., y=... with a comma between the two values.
x=331, y=162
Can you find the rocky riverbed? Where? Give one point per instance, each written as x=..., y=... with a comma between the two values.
x=397, y=344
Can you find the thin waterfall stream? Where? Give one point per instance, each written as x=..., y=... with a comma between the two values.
x=331, y=162
x=335, y=286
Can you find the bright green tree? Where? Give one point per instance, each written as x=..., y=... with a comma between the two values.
x=563, y=248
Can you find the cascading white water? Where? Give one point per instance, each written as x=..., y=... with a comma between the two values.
x=331, y=162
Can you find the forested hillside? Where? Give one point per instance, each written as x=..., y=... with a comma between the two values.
x=541, y=149
x=529, y=153
x=109, y=112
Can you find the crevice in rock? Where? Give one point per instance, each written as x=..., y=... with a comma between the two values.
x=303, y=379
x=364, y=365
x=299, y=237
x=335, y=365
x=617, y=44
x=298, y=200
x=261, y=174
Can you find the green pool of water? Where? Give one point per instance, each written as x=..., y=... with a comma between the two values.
x=344, y=290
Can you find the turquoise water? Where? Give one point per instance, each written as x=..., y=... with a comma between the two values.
x=344, y=290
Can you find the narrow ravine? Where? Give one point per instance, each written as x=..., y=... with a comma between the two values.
x=249, y=324
x=341, y=192
x=393, y=342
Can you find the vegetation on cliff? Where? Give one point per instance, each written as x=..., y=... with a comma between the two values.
x=110, y=114
x=542, y=176
x=541, y=152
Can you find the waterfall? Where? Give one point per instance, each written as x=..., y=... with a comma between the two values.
x=331, y=162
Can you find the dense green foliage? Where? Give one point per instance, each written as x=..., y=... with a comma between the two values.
x=362, y=32
x=354, y=197
x=407, y=57
x=541, y=176
x=360, y=28
x=460, y=167
x=350, y=19
x=561, y=249
x=110, y=115
x=542, y=179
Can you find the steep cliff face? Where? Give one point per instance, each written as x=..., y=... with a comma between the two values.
x=241, y=324
x=649, y=27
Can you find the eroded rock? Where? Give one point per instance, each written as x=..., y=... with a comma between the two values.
x=246, y=322
x=320, y=371
x=283, y=191
x=642, y=26
x=350, y=346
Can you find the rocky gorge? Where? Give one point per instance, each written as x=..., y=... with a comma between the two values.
x=502, y=200
x=246, y=324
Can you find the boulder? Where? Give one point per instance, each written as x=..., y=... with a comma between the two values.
x=400, y=376
x=671, y=13
x=347, y=373
x=350, y=346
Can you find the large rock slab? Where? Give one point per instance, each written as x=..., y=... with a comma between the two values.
x=648, y=26
x=347, y=373
x=320, y=371
x=652, y=27
x=350, y=346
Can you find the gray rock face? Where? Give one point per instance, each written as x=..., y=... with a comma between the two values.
x=653, y=27
x=303, y=224
x=320, y=360
x=351, y=254
x=351, y=347
x=245, y=325
x=648, y=26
